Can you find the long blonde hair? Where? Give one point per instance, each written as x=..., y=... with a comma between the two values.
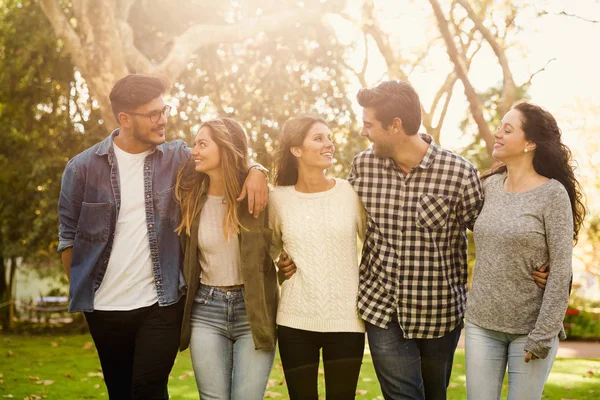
x=230, y=137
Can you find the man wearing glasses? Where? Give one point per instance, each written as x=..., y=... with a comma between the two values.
x=118, y=245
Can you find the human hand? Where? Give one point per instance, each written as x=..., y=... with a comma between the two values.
x=286, y=265
x=257, y=190
x=540, y=276
x=530, y=356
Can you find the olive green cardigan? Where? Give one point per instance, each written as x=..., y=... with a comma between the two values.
x=261, y=290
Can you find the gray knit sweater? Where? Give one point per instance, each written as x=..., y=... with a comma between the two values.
x=515, y=234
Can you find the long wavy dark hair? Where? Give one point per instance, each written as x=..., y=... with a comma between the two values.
x=292, y=135
x=551, y=157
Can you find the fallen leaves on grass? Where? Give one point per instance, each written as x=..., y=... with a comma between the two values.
x=271, y=395
x=186, y=375
x=87, y=345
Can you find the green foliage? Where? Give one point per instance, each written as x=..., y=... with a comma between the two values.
x=265, y=80
x=43, y=113
x=476, y=151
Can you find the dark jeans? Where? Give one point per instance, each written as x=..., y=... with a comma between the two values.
x=137, y=349
x=342, y=358
x=415, y=369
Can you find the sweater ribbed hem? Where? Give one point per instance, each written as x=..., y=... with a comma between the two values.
x=320, y=325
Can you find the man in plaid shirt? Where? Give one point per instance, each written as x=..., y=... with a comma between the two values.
x=420, y=199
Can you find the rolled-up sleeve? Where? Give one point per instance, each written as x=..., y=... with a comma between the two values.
x=69, y=206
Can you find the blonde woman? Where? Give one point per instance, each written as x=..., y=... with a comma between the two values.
x=229, y=315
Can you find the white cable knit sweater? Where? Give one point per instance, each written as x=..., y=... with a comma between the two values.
x=320, y=232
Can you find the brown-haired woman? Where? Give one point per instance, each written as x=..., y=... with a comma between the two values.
x=229, y=316
x=317, y=221
x=531, y=214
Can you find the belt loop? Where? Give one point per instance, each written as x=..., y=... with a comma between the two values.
x=210, y=293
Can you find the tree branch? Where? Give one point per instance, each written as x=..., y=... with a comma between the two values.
x=62, y=26
x=509, y=92
x=593, y=21
x=137, y=62
x=475, y=103
x=538, y=71
x=199, y=36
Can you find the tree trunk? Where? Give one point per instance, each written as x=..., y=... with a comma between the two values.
x=475, y=103
x=11, y=293
x=4, y=294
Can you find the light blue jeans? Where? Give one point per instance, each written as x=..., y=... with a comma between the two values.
x=488, y=353
x=226, y=364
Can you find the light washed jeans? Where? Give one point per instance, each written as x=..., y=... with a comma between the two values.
x=226, y=364
x=488, y=352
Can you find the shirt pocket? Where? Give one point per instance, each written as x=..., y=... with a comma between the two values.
x=432, y=211
x=94, y=222
x=168, y=209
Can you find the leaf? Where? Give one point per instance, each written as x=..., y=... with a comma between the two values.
x=10, y=354
x=34, y=378
x=361, y=392
x=271, y=395
x=88, y=345
x=54, y=344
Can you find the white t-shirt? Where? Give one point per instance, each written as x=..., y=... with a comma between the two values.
x=128, y=283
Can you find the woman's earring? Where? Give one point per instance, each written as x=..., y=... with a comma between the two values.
x=526, y=150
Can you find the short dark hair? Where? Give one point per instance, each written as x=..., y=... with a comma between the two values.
x=134, y=90
x=393, y=99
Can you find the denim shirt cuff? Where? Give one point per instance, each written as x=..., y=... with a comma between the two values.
x=64, y=244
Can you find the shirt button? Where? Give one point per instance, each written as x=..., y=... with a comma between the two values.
x=228, y=293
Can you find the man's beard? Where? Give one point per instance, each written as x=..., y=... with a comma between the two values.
x=137, y=135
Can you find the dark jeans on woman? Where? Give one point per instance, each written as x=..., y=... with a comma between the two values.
x=137, y=349
x=300, y=354
x=412, y=369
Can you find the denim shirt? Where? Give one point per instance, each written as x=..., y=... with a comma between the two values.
x=88, y=208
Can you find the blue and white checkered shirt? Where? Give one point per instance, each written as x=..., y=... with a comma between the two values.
x=414, y=260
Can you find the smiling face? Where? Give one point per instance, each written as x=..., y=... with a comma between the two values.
x=143, y=129
x=379, y=136
x=510, y=138
x=317, y=148
x=206, y=154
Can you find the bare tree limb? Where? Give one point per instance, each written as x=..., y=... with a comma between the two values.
x=360, y=75
x=202, y=35
x=538, y=71
x=509, y=92
x=475, y=103
x=62, y=26
x=593, y=21
x=123, y=8
x=137, y=62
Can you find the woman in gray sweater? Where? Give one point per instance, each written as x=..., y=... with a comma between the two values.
x=531, y=215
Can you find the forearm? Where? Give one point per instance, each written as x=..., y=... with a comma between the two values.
x=67, y=255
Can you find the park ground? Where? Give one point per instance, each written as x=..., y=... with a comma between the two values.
x=66, y=367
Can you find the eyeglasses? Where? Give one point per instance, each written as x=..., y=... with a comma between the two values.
x=154, y=115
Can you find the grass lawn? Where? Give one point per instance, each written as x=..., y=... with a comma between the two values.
x=66, y=367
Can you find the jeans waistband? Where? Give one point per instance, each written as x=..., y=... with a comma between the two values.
x=211, y=292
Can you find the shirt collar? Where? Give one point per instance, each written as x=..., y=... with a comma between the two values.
x=107, y=144
x=427, y=158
